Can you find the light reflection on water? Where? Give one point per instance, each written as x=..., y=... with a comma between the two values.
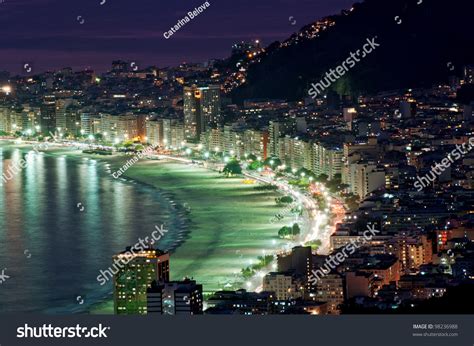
x=40, y=214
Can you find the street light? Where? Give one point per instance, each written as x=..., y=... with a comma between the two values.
x=7, y=89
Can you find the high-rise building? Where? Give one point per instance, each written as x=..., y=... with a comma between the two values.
x=154, y=132
x=61, y=114
x=327, y=158
x=138, y=269
x=175, y=298
x=48, y=115
x=413, y=250
x=117, y=127
x=141, y=127
x=86, y=123
x=191, y=112
x=232, y=141
x=173, y=133
x=295, y=152
x=201, y=109
x=276, y=130
x=299, y=261
x=274, y=134
x=285, y=286
x=330, y=289
x=31, y=117
x=73, y=121
x=213, y=140
x=5, y=119
x=17, y=120
x=365, y=177
x=256, y=142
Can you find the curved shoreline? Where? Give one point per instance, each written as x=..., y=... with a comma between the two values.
x=244, y=247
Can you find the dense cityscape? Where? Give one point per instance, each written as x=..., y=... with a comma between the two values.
x=372, y=195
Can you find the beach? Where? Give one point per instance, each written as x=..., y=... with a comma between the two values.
x=228, y=219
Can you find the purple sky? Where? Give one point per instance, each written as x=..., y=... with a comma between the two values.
x=48, y=35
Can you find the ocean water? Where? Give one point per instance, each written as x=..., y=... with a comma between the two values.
x=62, y=218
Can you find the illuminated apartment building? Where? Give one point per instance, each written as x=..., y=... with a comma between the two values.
x=48, y=114
x=284, y=285
x=175, y=298
x=326, y=159
x=295, y=152
x=154, y=132
x=119, y=127
x=330, y=289
x=136, y=272
x=414, y=250
x=173, y=133
x=256, y=142
x=201, y=109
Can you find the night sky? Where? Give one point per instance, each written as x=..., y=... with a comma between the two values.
x=48, y=35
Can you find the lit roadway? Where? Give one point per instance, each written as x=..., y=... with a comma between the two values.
x=314, y=227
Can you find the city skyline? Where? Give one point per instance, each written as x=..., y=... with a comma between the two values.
x=278, y=190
